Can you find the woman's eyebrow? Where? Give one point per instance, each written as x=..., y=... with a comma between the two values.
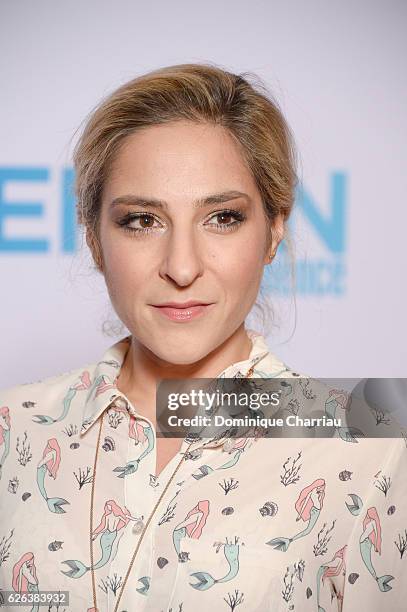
x=217, y=198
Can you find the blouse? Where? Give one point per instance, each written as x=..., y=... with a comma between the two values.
x=231, y=524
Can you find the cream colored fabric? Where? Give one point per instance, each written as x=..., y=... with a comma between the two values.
x=256, y=524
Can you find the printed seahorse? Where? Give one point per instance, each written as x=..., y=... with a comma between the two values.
x=114, y=519
x=206, y=580
x=49, y=462
x=331, y=568
x=25, y=577
x=132, y=466
x=371, y=537
x=341, y=400
x=308, y=505
x=80, y=385
x=192, y=525
x=4, y=434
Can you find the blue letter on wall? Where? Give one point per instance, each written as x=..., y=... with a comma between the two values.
x=68, y=212
x=331, y=229
x=21, y=209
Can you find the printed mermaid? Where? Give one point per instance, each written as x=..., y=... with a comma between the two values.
x=51, y=458
x=206, y=580
x=237, y=447
x=308, y=505
x=192, y=525
x=111, y=529
x=80, y=385
x=141, y=433
x=25, y=577
x=137, y=428
x=371, y=538
x=335, y=567
x=337, y=406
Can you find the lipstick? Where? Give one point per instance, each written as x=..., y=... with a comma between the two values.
x=184, y=312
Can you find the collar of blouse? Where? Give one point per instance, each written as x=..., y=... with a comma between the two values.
x=103, y=392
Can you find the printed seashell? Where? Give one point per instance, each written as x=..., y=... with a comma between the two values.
x=308, y=592
x=55, y=545
x=195, y=454
x=138, y=526
x=192, y=437
x=25, y=496
x=391, y=510
x=13, y=485
x=162, y=562
x=269, y=509
x=345, y=475
x=228, y=510
x=153, y=481
x=108, y=444
x=74, y=445
x=353, y=577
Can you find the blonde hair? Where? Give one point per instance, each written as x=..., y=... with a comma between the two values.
x=199, y=93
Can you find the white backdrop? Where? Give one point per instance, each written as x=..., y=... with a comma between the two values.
x=339, y=72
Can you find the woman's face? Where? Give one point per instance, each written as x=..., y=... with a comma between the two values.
x=188, y=252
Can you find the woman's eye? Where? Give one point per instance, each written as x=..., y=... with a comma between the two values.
x=225, y=216
x=143, y=223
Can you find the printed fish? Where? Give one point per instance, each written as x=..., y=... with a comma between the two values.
x=55, y=545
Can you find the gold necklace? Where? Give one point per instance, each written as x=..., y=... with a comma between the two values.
x=249, y=373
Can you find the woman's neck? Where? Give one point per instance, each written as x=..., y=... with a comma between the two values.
x=142, y=370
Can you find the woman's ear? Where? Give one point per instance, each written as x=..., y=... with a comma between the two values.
x=277, y=234
x=95, y=249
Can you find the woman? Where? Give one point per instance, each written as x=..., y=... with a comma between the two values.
x=185, y=181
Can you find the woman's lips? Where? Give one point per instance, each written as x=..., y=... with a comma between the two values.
x=183, y=314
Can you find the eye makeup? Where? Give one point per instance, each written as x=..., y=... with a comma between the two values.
x=125, y=221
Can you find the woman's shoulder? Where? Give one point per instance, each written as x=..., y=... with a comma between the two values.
x=46, y=390
x=104, y=368
x=350, y=407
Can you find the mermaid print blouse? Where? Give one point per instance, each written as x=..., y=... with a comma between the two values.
x=246, y=525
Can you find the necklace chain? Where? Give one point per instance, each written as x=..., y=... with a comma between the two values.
x=249, y=373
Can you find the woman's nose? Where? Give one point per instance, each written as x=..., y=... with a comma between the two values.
x=181, y=260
